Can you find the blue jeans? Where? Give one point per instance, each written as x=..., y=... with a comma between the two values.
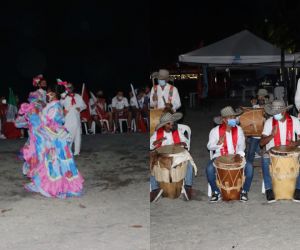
x=188, y=180
x=253, y=148
x=265, y=163
x=211, y=176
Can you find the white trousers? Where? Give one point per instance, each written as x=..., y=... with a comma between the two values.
x=73, y=125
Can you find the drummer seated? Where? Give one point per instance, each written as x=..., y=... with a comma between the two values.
x=163, y=136
x=279, y=130
x=225, y=139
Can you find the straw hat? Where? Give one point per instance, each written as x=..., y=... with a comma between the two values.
x=168, y=117
x=163, y=74
x=262, y=92
x=229, y=111
x=276, y=107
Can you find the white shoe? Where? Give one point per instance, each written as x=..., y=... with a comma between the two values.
x=2, y=136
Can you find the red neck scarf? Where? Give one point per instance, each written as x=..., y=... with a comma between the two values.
x=73, y=101
x=234, y=134
x=160, y=134
x=289, y=131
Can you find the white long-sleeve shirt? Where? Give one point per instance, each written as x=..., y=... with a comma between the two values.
x=214, y=138
x=268, y=127
x=169, y=139
x=165, y=93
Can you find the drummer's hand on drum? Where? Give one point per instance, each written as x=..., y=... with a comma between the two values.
x=182, y=144
x=221, y=140
x=159, y=141
x=274, y=131
x=238, y=158
x=169, y=106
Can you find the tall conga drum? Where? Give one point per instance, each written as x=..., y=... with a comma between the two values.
x=252, y=121
x=169, y=177
x=230, y=176
x=154, y=119
x=284, y=170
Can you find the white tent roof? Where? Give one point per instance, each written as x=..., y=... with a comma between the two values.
x=243, y=48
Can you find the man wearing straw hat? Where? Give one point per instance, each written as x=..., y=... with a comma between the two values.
x=164, y=95
x=225, y=139
x=165, y=134
x=279, y=130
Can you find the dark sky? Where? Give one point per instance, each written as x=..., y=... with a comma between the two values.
x=110, y=44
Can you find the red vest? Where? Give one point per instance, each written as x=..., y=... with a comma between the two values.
x=289, y=131
x=160, y=134
x=234, y=133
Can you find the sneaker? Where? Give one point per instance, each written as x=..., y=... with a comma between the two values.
x=244, y=196
x=215, y=197
x=270, y=196
x=297, y=195
x=2, y=136
x=187, y=191
x=155, y=195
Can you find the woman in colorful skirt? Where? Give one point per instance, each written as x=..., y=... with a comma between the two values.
x=56, y=175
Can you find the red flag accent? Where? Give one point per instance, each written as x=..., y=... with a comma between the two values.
x=85, y=114
x=289, y=131
x=234, y=133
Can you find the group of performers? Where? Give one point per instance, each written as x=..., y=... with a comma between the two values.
x=278, y=138
x=52, y=127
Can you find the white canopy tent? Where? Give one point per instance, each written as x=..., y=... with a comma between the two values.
x=241, y=49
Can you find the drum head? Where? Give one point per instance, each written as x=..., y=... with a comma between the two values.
x=226, y=159
x=170, y=149
x=284, y=149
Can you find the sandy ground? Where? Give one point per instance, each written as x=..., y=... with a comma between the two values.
x=113, y=213
x=198, y=224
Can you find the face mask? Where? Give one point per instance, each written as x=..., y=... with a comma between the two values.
x=4, y=101
x=231, y=122
x=120, y=98
x=162, y=82
x=278, y=117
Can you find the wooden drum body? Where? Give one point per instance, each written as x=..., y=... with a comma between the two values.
x=154, y=119
x=230, y=176
x=284, y=170
x=170, y=177
x=252, y=121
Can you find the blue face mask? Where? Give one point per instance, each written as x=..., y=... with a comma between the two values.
x=231, y=122
x=162, y=82
x=278, y=117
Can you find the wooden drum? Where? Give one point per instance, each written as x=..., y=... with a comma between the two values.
x=155, y=115
x=252, y=121
x=284, y=170
x=230, y=176
x=170, y=177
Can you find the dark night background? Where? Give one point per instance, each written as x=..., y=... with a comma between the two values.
x=109, y=45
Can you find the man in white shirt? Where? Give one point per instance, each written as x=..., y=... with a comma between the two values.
x=73, y=104
x=164, y=95
x=224, y=139
x=279, y=130
x=120, y=109
x=165, y=134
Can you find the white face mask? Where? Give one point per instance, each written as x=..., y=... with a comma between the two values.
x=3, y=101
x=278, y=117
x=162, y=82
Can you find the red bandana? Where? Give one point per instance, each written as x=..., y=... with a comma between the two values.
x=234, y=134
x=289, y=131
x=160, y=134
